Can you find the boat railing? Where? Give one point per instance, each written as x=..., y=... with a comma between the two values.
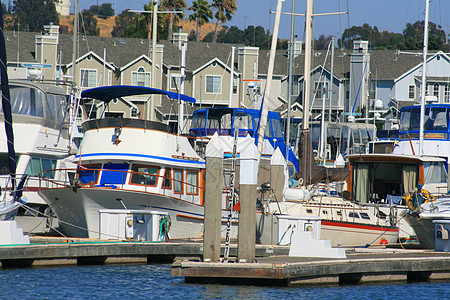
x=68, y=178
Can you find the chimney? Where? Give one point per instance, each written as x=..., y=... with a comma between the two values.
x=359, y=77
x=179, y=37
x=47, y=50
x=296, y=47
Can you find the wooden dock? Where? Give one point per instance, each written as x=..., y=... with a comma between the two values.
x=360, y=266
x=60, y=251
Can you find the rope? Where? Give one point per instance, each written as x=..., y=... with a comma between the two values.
x=392, y=226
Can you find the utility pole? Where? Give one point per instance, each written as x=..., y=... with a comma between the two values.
x=154, y=12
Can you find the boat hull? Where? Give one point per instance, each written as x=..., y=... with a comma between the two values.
x=355, y=234
x=78, y=210
x=424, y=229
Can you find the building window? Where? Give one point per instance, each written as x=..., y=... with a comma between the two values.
x=295, y=87
x=134, y=112
x=447, y=93
x=320, y=88
x=141, y=78
x=175, y=83
x=88, y=78
x=411, y=92
x=213, y=84
x=436, y=90
x=235, y=85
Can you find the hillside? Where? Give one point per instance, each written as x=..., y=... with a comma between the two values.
x=106, y=26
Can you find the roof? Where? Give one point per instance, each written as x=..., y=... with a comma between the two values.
x=385, y=64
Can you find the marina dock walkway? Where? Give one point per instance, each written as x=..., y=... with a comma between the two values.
x=362, y=265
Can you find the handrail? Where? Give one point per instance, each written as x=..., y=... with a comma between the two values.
x=65, y=182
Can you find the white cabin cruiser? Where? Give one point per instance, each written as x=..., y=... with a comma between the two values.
x=130, y=163
x=42, y=142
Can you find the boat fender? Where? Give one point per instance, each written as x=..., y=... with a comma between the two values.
x=164, y=228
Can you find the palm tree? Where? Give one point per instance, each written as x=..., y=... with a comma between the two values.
x=225, y=10
x=173, y=5
x=202, y=14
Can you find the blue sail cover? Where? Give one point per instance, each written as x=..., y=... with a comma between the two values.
x=108, y=93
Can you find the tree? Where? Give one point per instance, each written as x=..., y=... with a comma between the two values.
x=123, y=23
x=103, y=11
x=134, y=25
x=173, y=5
x=202, y=14
x=225, y=10
x=88, y=23
x=32, y=15
x=413, y=35
x=322, y=43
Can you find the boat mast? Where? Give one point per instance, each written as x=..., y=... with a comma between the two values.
x=307, y=69
x=424, y=75
x=265, y=105
x=291, y=55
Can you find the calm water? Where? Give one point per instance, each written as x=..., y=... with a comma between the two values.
x=155, y=282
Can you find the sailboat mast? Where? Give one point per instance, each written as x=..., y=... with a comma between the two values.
x=291, y=56
x=265, y=105
x=424, y=76
x=307, y=70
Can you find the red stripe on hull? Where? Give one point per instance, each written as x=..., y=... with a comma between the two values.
x=359, y=226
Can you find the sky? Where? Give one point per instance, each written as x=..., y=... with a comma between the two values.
x=390, y=15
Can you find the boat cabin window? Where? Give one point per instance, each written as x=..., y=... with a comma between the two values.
x=309, y=211
x=145, y=175
x=276, y=126
x=27, y=101
x=37, y=164
x=199, y=120
x=244, y=123
x=339, y=213
x=191, y=182
x=4, y=166
x=114, y=174
x=375, y=181
x=167, y=182
x=436, y=119
x=88, y=173
x=434, y=172
x=178, y=181
x=353, y=215
x=365, y=216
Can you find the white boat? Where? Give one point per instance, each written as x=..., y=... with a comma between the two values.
x=42, y=142
x=130, y=163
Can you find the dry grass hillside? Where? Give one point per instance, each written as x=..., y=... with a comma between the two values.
x=106, y=26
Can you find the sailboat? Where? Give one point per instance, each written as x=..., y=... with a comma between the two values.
x=344, y=222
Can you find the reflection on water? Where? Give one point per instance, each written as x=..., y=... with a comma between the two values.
x=156, y=282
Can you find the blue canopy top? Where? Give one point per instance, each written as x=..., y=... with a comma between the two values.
x=108, y=93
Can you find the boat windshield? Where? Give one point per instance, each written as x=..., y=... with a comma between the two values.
x=436, y=119
x=30, y=101
x=434, y=172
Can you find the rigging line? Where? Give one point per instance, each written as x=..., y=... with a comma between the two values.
x=340, y=24
x=348, y=23
x=223, y=73
x=84, y=30
x=320, y=77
